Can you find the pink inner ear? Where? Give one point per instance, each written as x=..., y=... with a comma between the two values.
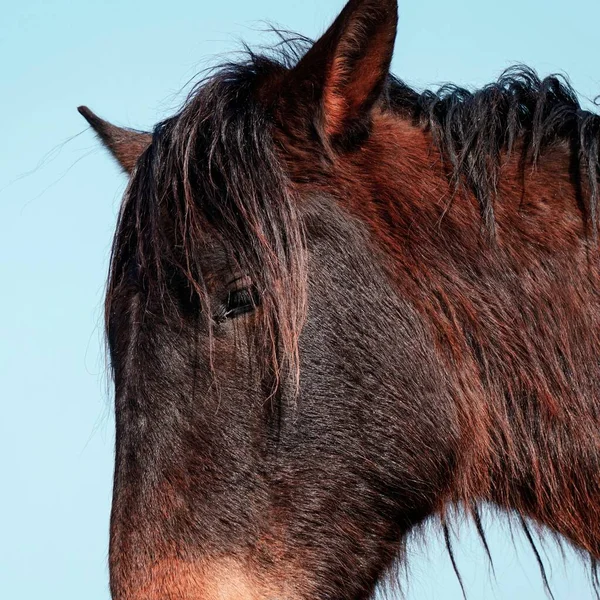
x=346, y=68
x=358, y=70
x=351, y=83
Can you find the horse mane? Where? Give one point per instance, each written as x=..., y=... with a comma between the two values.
x=214, y=166
x=476, y=130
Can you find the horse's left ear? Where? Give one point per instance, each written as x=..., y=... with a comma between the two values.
x=346, y=69
x=126, y=145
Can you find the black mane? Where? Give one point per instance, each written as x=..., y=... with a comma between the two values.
x=476, y=129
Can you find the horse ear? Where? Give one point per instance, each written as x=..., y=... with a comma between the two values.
x=346, y=69
x=126, y=145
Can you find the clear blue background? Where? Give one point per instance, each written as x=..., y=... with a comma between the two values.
x=129, y=61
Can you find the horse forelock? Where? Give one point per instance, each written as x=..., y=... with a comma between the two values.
x=211, y=175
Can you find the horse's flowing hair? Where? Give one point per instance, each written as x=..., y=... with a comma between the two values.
x=477, y=130
x=220, y=131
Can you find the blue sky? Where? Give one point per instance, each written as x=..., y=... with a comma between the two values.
x=130, y=62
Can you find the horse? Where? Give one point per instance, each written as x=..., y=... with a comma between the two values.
x=336, y=307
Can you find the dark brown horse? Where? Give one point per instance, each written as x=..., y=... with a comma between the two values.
x=336, y=307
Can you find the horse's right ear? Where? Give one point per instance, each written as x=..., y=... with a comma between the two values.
x=343, y=75
x=126, y=145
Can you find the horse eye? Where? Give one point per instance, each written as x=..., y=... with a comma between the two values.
x=239, y=302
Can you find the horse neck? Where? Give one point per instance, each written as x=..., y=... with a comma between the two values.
x=515, y=320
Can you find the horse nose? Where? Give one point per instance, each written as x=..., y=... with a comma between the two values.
x=193, y=579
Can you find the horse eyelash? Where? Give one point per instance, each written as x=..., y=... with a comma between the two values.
x=238, y=302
